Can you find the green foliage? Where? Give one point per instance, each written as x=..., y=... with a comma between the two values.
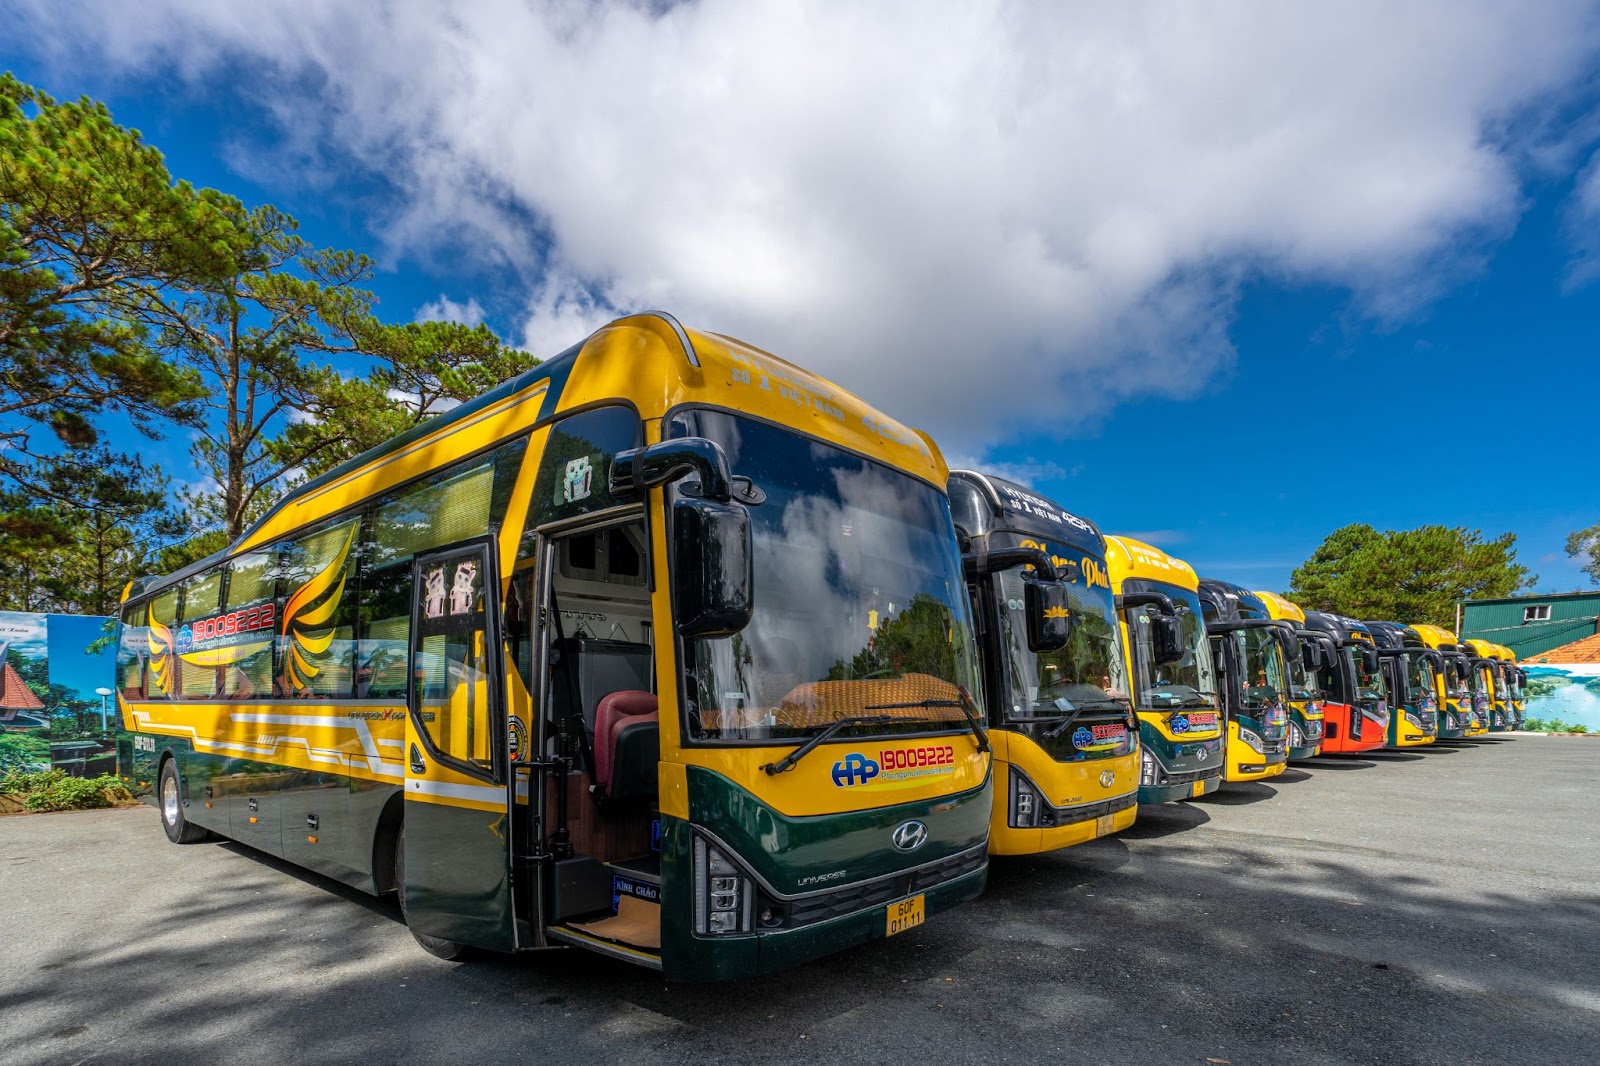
x=94, y=233
x=78, y=527
x=424, y=368
x=1408, y=575
x=1584, y=544
x=53, y=790
x=19, y=750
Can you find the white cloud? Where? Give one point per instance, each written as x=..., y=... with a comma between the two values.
x=445, y=309
x=984, y=217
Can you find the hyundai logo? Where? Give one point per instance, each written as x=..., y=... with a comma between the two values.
x=909, y=836
x=1106, y=778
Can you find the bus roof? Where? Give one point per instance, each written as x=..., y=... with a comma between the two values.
x=1129, y=558
x=648, y=360
x=1281, y=609
x=1230, y=602
x=1345, y=630
x=983, y=503
x=1434, y=636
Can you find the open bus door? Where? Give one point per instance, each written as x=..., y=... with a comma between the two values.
x=453, y=864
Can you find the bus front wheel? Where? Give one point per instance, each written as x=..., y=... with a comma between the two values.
x=169, y=797
x=437, y=946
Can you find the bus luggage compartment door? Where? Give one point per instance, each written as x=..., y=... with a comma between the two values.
x=456, y=837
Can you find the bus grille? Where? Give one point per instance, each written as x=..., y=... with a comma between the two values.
x=808, y=910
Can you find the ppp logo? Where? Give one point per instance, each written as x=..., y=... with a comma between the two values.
x=854, y=769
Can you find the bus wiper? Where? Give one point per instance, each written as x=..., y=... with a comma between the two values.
x=972, y=719
x=789, y=760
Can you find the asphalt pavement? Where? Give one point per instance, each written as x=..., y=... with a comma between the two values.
x=1431, y=907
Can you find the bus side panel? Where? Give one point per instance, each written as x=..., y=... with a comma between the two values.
x=326, y=830
x=200, y=773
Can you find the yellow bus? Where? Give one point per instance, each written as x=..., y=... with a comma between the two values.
x=1066, y=742
x=1305, y=699
x=1492, y=683
x=1508, y=679
x=1452, y=682
x=556, y=666
x=1174, y=681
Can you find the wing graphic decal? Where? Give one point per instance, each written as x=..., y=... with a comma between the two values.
x=161, y=653
x=311, y=606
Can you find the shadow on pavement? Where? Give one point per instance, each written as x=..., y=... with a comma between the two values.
x=1232, y=795
x=1339, y=762
x=1293, y=775
x=1164, y=819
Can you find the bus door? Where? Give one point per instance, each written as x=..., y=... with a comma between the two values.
x=455, y=842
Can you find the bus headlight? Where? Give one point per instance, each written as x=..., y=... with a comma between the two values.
x=1025, y=802
x=1414, y=721
x=1297, y=739
x=722, y=892
x=1149, y=771
x=1255, y=742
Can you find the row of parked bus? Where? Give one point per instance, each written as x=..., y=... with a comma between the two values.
x=670, y=650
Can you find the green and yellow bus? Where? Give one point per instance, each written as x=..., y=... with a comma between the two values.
x=1305, y=699
x=1410, y=672
x=1252, y=654
x=556, y=666
x=1516, y=683
x=1452, y=684
x=1066, y=742
x=1174, y=681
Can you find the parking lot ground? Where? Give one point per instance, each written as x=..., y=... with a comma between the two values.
x=1440, y=906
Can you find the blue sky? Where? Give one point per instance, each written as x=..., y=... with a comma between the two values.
x=1228, y=279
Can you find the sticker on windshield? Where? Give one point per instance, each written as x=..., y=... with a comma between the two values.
x=1100, y=738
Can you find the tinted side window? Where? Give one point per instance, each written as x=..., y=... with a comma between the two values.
x=133, y=650
x=317, y=617
x=197, y=640
x=162, y=682
x=576, y=463
x=248, y=621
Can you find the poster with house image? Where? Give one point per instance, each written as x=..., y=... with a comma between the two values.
x=56, y=710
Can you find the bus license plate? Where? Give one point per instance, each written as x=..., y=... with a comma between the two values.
x=1197, y=789
x=1103, y=824
x=907, y=914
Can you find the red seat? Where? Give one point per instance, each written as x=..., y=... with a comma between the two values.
x=616, y=712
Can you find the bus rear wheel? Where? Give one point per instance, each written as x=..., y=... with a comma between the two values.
x=437, y=946
x=169, y=799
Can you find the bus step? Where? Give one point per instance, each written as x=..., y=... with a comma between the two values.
x=637, y=923
x=646, y=868
x=573, y=935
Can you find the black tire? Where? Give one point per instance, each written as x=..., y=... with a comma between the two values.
x=169, y=801
x=436, y=946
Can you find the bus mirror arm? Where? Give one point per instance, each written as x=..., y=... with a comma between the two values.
x=1147, y=599
x=637, y=469
x=982, y=563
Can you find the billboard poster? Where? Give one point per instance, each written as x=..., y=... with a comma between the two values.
x=56, y=673
x=1565, y=692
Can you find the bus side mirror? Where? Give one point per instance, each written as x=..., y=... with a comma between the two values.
x=1370, y=657
x=1049, y=614
x=1311, y=655
x=713, y=567
x=1167, y=639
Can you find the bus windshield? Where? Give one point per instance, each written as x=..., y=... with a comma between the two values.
x=1499, y=684
x=1455, y=680
x=1086, y=675
x=1262, y=679
x=1419, y=681
x=1369, y=685
x=1301, y=690
x=1189, y=682
x=860, y=604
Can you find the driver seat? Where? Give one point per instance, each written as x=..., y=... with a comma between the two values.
x=627, y=745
